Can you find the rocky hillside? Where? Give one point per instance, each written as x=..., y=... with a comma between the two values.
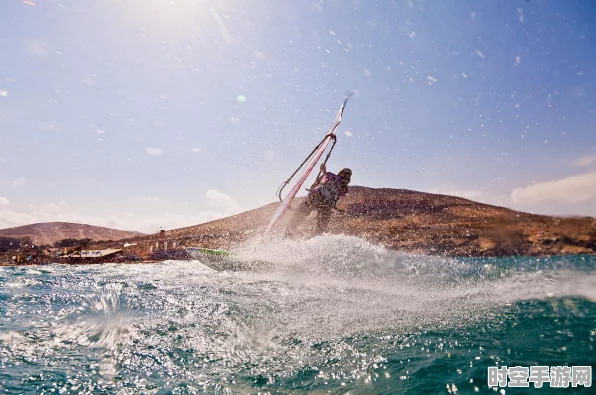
x=410, y=221
x=50, y=232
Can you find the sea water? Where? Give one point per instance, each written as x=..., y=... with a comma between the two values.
x=331, y=314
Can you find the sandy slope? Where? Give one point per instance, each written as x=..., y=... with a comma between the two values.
x=411, y=221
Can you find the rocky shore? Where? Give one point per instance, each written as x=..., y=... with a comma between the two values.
x=409, y=221
x=404, y=220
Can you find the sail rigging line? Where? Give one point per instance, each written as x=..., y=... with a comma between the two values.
x=308, y=164
x=286, y=182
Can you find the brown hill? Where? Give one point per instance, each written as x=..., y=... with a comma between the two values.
x=410, y=221
x=50, y=232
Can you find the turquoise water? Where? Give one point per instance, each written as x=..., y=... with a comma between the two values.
x=335, y=314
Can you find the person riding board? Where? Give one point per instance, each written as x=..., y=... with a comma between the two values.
x=322, y=198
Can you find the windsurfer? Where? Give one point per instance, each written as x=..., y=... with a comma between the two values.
x=322, y=198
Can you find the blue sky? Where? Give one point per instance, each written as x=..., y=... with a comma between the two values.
x=130, y=114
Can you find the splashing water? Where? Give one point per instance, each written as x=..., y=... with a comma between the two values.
x=332, y=313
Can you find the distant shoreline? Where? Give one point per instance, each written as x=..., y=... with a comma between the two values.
x=76, y=264
x=144, y=262
x=399, y=219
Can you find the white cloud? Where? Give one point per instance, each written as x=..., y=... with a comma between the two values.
x=150, y=199
x=49, y=208
x=195, y=149
x=222, y=202
x=10, y=219
x=4, y=201
x=219, y=204
x=154, y=151
x=129, y=221
x=585, y=161
x=479, y=53
x=348, y=133
x=19, y=182
x=4, y=93
x=574, y=189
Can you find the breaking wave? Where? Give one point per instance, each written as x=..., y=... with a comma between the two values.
x=331, y=313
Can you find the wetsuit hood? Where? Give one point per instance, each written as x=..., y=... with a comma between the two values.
x=346, y=174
